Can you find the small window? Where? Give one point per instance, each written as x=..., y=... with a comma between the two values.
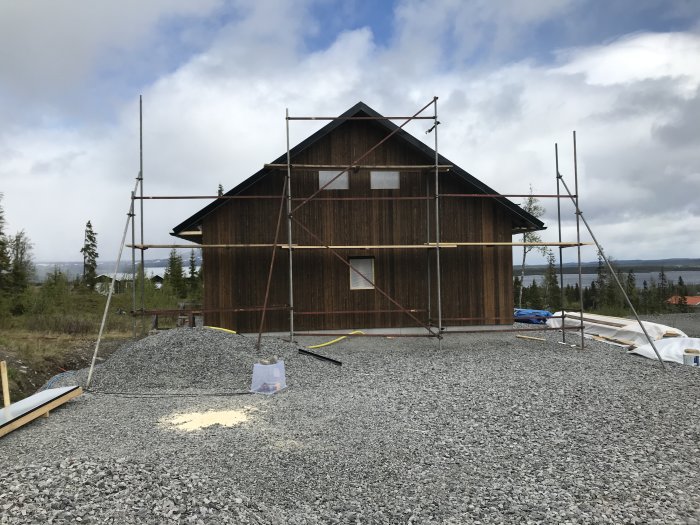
x=361, y=273
x=384, y=180
x=341, y=183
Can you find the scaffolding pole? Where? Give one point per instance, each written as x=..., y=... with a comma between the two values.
x=561, y=248
x=366, y=154
x=579, y=213
x=129, y=218
x=289, y=233
x=578, y=237
x=370, y=281
x=356, y=165
x=140, y=185
x=133, y=266
x=438, y=274
x=283, y=200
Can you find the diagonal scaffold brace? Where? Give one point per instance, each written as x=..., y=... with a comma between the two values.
x=130, y=217
x=579, y=213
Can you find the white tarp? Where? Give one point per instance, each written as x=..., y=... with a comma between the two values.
x=616, y=330
x=669, y=349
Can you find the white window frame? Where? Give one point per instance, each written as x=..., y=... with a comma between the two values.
x=384, y=180
x=341, y=183
x=357, y=281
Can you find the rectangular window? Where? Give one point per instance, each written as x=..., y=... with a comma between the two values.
x=365, y=267
x=384, y=180
x=341, y=183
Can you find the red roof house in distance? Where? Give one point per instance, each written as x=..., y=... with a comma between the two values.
x=690, y=300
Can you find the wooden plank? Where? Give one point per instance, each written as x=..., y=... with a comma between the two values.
x=530, y=338
x=340, y=167
x=5, y=384
x=488, y=243
x=39, y=411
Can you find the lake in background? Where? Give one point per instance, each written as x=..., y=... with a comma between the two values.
x=689, y=277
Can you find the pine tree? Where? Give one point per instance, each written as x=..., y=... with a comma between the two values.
x=220, y=190
x=533, y=296
x=645, y=297
x=517, y=287
x=21, y=264
x=174, y=278
x=663, y=291
x=551, y=293
x=532, y=206
x=682, y=289
x=89, y=251
x=631, y=288
x=192, y=274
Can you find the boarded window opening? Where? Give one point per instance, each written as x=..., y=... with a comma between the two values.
x=341, y=183
x=384, y=180
x=365, y=267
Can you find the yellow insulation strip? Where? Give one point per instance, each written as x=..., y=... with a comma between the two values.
x=222, y=329
x=336, y=339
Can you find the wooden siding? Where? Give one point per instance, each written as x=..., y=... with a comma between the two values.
x=476, y=281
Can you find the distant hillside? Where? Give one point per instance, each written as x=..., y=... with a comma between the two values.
x=638, y=265
x=75, y=268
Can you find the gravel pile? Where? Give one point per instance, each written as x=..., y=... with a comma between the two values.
x=489, y=429
x=187, y=359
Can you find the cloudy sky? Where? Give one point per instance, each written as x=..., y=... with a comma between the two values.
x=513, y=78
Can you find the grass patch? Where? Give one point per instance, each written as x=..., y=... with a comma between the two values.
x=34, y=357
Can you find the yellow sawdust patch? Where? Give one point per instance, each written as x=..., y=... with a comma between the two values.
x=197, y=420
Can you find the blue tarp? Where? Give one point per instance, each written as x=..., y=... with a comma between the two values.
x=525, y=315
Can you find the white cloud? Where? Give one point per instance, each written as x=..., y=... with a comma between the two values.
x=639, y=57
x=219, y=117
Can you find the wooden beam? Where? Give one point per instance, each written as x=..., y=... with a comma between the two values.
x=297, y=247
x=39, y=411
x=530, y=338
x=562, y=244
x=441, y=167
x=431, y=245
x=5, y=384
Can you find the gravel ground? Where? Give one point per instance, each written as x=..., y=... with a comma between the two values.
x=488, y=429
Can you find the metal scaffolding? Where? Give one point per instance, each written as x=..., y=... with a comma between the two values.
x=293, y=204
x=289, y=205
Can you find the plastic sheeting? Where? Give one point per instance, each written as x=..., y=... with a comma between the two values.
x=669, y=349
x=616, y=330
x=33, y=403
x=525, y=315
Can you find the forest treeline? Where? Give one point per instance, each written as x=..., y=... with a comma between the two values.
x=74, y=305
x=604, y=294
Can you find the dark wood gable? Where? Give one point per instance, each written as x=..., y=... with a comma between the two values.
x=476, y=281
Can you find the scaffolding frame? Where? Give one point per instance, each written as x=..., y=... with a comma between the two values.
x=293, y=204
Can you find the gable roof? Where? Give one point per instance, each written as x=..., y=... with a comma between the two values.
x=526, y=221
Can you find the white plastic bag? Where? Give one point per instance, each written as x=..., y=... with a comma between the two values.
x=268, y=379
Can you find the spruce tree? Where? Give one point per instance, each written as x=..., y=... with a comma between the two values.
x=89, y=251
x=551, y=293
x=663, y=291
x=174, y=278
x=631, y=288
x=192, y=274
x=21, y=263
x=682, y=304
